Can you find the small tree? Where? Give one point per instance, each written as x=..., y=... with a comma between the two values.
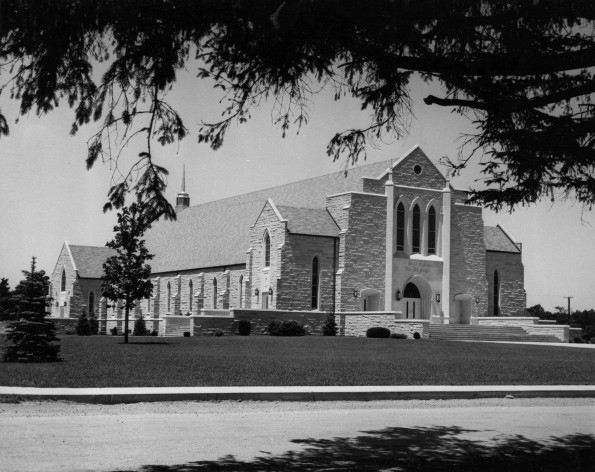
x=31, y=333
x=83, y=328
x=93, y=323
x=126, y=274
x=330, y=325
x=140, y=328
x=6, y=305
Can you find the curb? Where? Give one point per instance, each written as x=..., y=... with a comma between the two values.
x=297, y=394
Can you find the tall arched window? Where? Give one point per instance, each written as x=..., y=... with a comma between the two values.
x=91, y=303
x=416, y=231
x=168, y=297
x=400, y=227
x=190, y=295
x=214, y=293
x=267, y=250
x=63, y=283
x=241, y=292
x=496, y=293
x=315, y=283
x=432, y=231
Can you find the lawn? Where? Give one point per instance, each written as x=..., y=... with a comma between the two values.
x=104, y=361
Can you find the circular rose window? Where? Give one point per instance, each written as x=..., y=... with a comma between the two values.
x=417, y=169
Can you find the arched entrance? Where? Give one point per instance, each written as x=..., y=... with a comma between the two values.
x=412, y=301
x=417, y=299
x=369, y=300
x=463, y=309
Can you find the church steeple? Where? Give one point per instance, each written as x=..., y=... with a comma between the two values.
x=183, y=199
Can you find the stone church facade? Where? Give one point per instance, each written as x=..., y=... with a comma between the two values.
x=392, y=238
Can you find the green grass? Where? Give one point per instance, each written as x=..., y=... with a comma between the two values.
x=104, y=361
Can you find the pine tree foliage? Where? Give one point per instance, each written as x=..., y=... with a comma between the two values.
x=6, y=306
x=31, y=335
x=140, y=327
x=522, y=71
x=126, y=274
x=93, y=323
x=83, y=327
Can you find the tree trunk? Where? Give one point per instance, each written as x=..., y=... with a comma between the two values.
x=126, y=312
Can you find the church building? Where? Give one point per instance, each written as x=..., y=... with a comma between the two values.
x=389, y=242
x=385, y=237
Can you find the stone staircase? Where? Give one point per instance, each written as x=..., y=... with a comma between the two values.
x=455, y=332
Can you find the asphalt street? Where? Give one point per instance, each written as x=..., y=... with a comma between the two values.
x=486, y=434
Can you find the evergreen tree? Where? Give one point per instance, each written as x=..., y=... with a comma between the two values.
x=6, y=305
x=31, y=334
x=126, y=274
x=93, y=323
x=140, y=328
x=83, y=327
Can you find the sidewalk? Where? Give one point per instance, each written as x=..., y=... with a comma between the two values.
x=303, y=394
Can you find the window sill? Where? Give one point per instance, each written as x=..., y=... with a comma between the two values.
x=420, y=257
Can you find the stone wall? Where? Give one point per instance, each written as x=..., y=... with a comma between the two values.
x=511, y=273
x=61, y=300
x=361, y=249
x=357, y=323
x=468, y=258
x=260, y=319
x=559, y=331
x=261, y=277
x=174, y=325
x=521, y=321
x=209, y=325
x=64, y=325
x=294, y=288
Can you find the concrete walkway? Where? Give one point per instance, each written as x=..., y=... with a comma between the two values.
x=313, y=393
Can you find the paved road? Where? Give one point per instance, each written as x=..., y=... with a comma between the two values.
x=488, y=434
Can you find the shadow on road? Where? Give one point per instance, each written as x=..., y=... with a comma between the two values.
x=396, y=449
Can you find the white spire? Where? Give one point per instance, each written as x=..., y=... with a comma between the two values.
x=184, y=177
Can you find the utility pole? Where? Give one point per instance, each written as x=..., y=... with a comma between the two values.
x=568, y=309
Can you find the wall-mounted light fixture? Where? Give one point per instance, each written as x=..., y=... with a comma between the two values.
x=438, y=297
x=477, y=300
x=355, y=294
x=271, y=291
x=256, y=292
x=398, y=295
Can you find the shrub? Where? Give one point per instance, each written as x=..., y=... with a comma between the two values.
x=94, y=324
x=330, y=325
x=154, y=333
x=244, y=328
x=286, y=328
x=186, y=334
x=398, y=336
x=218, y=333
x=83, y=328
x=114, y=331
x=416, y=335
x=378, y=332
x=577, y=340
x=140, y=328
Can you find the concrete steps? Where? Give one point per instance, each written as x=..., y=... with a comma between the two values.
x=486, y=333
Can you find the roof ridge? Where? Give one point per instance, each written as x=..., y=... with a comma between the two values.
x=283, y=185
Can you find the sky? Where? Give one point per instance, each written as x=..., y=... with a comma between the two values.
x=48, y=197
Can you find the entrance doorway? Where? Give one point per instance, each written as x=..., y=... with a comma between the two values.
x=370, y=300
x=463, y=308
x=412, y=301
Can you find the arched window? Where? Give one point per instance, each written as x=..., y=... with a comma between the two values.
x=315, y=283
x=190, y=295
x=400, y=227
x=416, y=232
x=432, y=231
x=91, y=303
x=241, y=292
x=496, y=293
x=168, y=297
x=267, y=249
x=214, y=293
x=63, y=283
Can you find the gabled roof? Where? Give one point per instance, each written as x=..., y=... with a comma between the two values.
x=311, y=221
x=496, y=239
x=88, y=260
x=217, y=233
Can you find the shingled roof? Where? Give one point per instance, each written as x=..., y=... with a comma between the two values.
x=89, y=260
x=216, y=234
x=496, y=239
x=310, y=221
